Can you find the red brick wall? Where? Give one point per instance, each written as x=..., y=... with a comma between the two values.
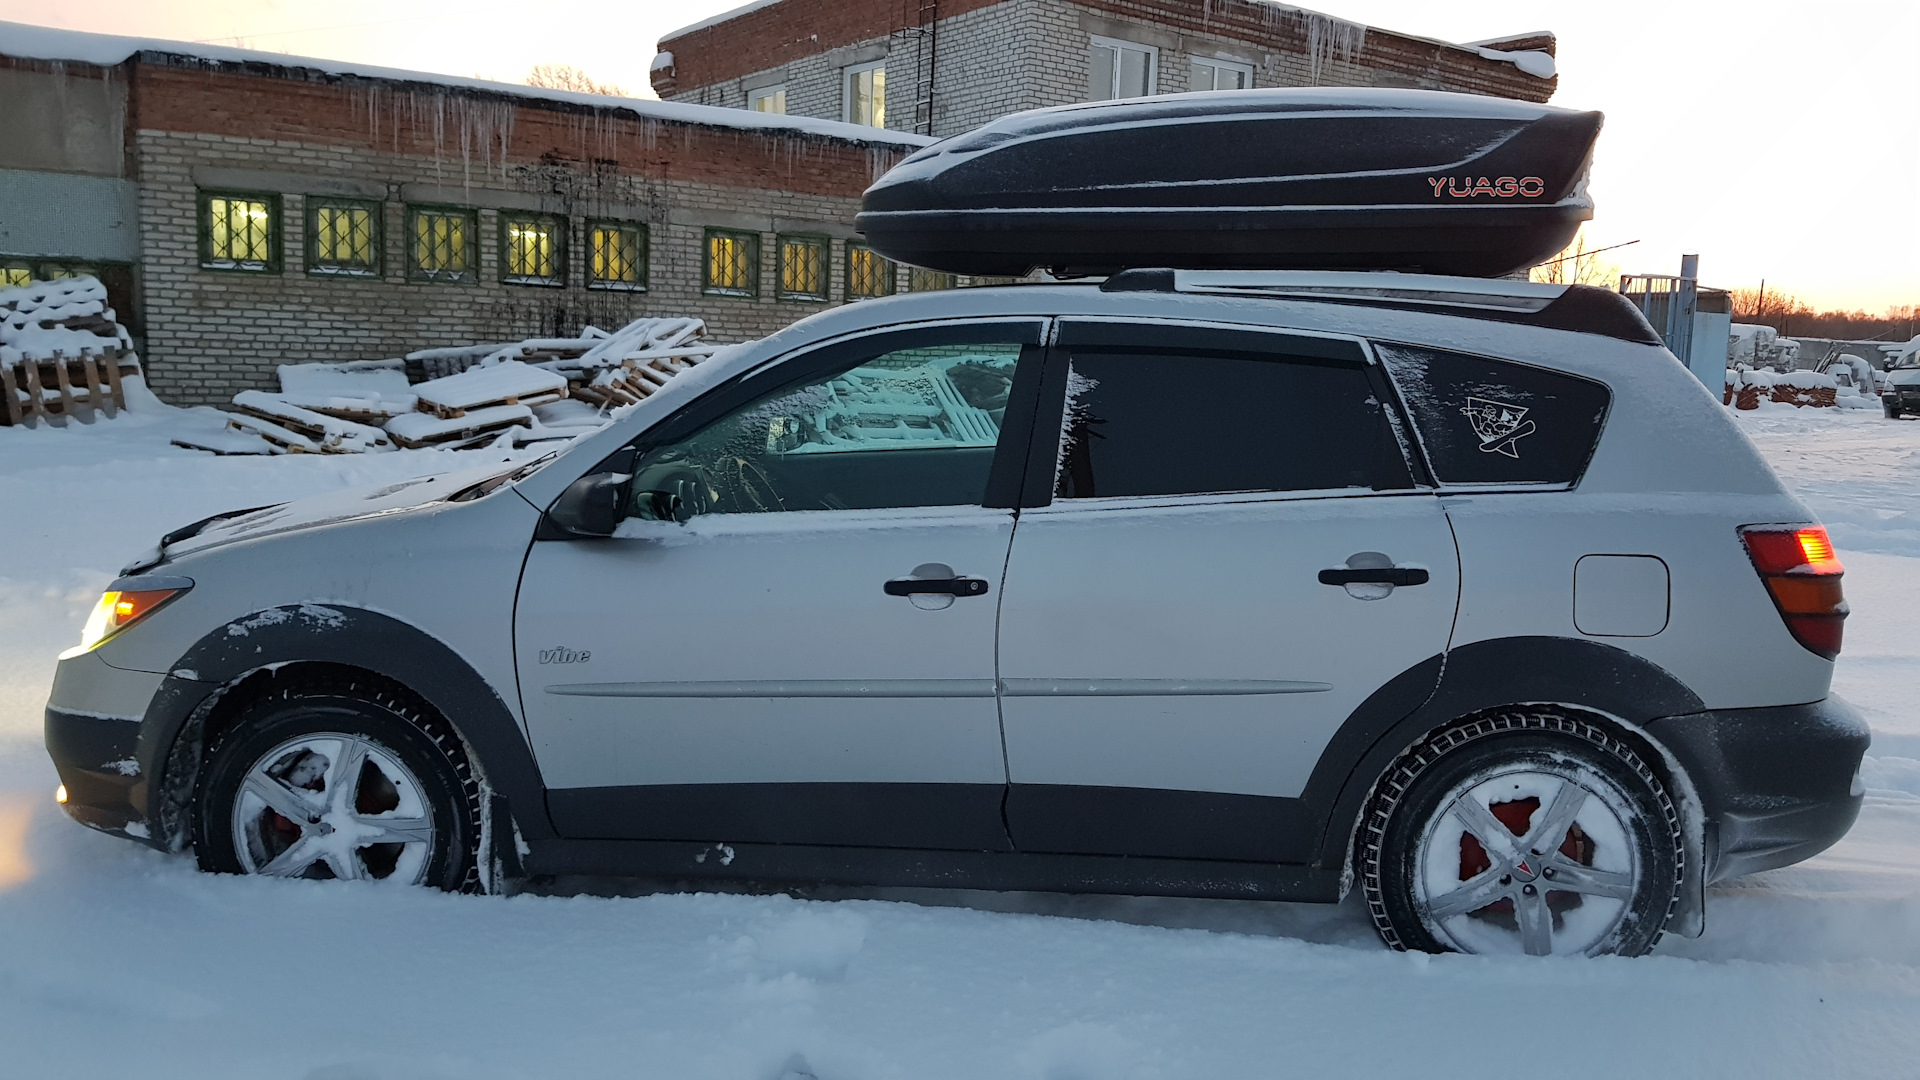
x=475, y=127
x=791, y=29
x=787, y=30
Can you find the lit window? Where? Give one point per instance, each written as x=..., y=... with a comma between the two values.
x=441, y=244
x=343, y=238
x=1121, y=69
x=868, y=273
x=533, y=249
x=803, y=267
x=616, y=255
x=1220, y=75
x=240, y=232
x=14, y=276
x=867, y=95
x=733, y=263
x=919, y=280
x=768, y=99
x=56, y=271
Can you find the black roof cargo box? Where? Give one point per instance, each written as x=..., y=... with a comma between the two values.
x=1284, y=179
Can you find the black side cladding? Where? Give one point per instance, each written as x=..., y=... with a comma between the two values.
x=1262, y=179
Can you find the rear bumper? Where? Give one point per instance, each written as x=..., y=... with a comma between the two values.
x=1776, y=785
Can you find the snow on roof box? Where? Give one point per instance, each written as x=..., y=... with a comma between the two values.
x=1295, y=179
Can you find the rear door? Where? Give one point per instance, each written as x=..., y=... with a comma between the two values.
x=1234, y=557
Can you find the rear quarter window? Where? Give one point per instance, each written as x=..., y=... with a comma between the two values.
x=1486, y=421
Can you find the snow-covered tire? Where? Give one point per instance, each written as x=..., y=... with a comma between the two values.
x=1522, y=831
x=410, y=813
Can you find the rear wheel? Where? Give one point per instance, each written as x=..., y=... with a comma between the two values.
x=1522, y=833
x=320, y=781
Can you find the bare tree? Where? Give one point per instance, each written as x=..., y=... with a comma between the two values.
x=568, y=77
x=1576, y=265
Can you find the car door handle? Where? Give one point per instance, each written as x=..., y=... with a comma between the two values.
x=1383, y=575
x=953, y=586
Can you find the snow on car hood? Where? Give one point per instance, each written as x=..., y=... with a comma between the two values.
x=327, y=509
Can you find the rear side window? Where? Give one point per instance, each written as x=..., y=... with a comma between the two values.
x=1488, y=421
x=1194, y=420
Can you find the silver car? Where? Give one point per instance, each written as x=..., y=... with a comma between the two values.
x=1460, y=592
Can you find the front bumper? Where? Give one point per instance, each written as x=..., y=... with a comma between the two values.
x=1776, y=785
x=93, y=725
x=97, y=763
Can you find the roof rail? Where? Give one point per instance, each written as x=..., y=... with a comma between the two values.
x=1579, y=308
x=1498, y=293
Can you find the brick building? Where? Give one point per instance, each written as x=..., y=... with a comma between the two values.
x=941, y=67
x=248, y=210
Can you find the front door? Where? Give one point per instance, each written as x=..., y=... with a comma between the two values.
x=1173, y=661
x=809, y=658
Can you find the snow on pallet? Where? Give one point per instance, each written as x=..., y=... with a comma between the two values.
x=536, y=390
x=327, y=434
x=62, y=353
x=420, y=429
x=509, y=382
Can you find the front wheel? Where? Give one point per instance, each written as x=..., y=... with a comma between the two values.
x=1522, y=833
x=322, y=781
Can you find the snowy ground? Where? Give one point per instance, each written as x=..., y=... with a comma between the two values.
x=115, y=960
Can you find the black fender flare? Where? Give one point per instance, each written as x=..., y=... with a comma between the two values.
x=347, y=637
x=1474, y=678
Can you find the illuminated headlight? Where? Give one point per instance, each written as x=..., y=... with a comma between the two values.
x=119, y=608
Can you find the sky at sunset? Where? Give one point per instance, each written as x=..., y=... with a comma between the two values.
x=1777, y=140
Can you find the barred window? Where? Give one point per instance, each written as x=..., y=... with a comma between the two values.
x=343, y=237
x=240, y=232
x=442, y=244
x=803, y=267
x=616, y=255
x=533, y=249
x=868, y=274
x=919, y=280
x=13, y=275
x=733, y=263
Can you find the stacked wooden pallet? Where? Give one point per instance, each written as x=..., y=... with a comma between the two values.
x=62, y=353
x=526, y=391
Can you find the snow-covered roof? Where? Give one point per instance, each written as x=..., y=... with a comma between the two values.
x=1534, y=62
x=47, y=43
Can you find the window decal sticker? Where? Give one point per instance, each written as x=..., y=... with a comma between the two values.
x=1499, y=425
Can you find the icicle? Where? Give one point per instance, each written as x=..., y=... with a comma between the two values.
x=1326, y=37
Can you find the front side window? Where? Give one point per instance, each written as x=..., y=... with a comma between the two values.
x=240, y=232
x=616, y=255
x=901, y=427
x=533, y=249
x=869, y=273
x=768, y=99
x=803, y=267
x=1486, y=421
x=343, y=237
x=1121, y=69
x=1211, y=74
x=1205, y=418
x=733, y=263
x=919, y=280
x=866, y=94
x=443, y=244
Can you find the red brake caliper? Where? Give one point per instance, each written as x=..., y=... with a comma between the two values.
x=1516, y=815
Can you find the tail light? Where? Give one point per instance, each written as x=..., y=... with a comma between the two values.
x=1802, y=574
